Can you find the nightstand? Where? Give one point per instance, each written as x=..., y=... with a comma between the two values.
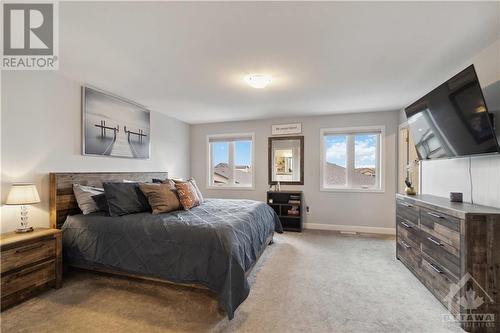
x=31, y=263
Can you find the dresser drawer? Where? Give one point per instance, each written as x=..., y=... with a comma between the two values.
x=438, y=280
x=407, y=211
x=445, y=255
x=27, y=254
x=442, y=227
x=408, y=252
x=408, y=230
x=29, y=277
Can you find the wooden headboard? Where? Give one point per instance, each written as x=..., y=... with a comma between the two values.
x=62, y=200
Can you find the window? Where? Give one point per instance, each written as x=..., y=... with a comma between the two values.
x=230, y=160
x=351, y=159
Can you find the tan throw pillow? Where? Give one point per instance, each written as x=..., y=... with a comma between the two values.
x=187, y=195
x=161, y=197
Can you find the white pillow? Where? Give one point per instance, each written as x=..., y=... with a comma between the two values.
x=197, y=190
x=83, y=195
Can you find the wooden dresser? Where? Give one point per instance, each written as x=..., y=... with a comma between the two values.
x=31, y=262
x=454, y=250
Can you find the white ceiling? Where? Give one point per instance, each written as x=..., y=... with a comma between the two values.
x=188, y=60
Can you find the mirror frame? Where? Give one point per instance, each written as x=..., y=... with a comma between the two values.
x=270, y=159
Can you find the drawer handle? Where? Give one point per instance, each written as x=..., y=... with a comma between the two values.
x=407, y=205
x=405, y=244
x=435, y=268
x=435, y=215
x=406, y=225
x=29, y=270
x=438, y=243
x=29, y=248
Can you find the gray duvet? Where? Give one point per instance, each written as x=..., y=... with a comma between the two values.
x=213, y=244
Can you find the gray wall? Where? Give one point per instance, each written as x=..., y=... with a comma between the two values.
x=375, y=210
x=41, y=133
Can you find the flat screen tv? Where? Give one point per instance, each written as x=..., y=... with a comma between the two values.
x=453, y=120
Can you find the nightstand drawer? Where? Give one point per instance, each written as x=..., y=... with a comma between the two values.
x=29, y=277
x=27, y=254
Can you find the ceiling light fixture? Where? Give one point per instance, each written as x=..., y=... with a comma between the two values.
x=258, y=81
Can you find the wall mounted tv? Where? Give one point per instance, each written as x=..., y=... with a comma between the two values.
x=453, y=120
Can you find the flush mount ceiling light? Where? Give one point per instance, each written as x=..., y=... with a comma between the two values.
x=258, y=81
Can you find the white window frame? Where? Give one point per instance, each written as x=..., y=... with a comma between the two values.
x=380, y=154
x=209, y=162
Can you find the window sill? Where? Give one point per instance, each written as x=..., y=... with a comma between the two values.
x=238, y=188
x=353, y=190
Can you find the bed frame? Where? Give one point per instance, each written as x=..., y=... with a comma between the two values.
x=63, y=203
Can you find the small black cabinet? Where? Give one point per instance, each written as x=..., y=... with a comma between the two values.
x=288, y=206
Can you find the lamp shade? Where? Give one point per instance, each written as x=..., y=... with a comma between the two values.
x=22, y=194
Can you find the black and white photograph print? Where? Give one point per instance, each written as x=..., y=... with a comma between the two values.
x=114, y=126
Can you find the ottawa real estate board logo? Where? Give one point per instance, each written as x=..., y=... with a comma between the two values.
x=30, y=36
x=468, y=295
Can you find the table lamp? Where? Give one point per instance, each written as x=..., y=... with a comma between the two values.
x=23, y=195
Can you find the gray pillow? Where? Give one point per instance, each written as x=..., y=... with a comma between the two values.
x=125, y=198
x=83, y=195
x=101, y=202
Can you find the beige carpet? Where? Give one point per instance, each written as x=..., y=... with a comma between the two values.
x=308, y=282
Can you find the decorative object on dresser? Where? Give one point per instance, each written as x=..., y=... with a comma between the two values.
x=288, y=206
x=411, y=172
x=31, y=263
x=454, y=250
x=456, y=197
x=23, y=195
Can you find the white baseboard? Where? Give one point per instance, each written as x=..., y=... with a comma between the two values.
x=351, y=228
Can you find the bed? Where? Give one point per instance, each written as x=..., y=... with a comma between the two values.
x=212, y=246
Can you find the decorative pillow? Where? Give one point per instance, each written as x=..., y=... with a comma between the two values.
x=101, y=202
x=161, y=197
x=125, y=198
x=198, y=192
x=187, y=195
x=193, y=182
x=83, y=195
x=168, y=181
